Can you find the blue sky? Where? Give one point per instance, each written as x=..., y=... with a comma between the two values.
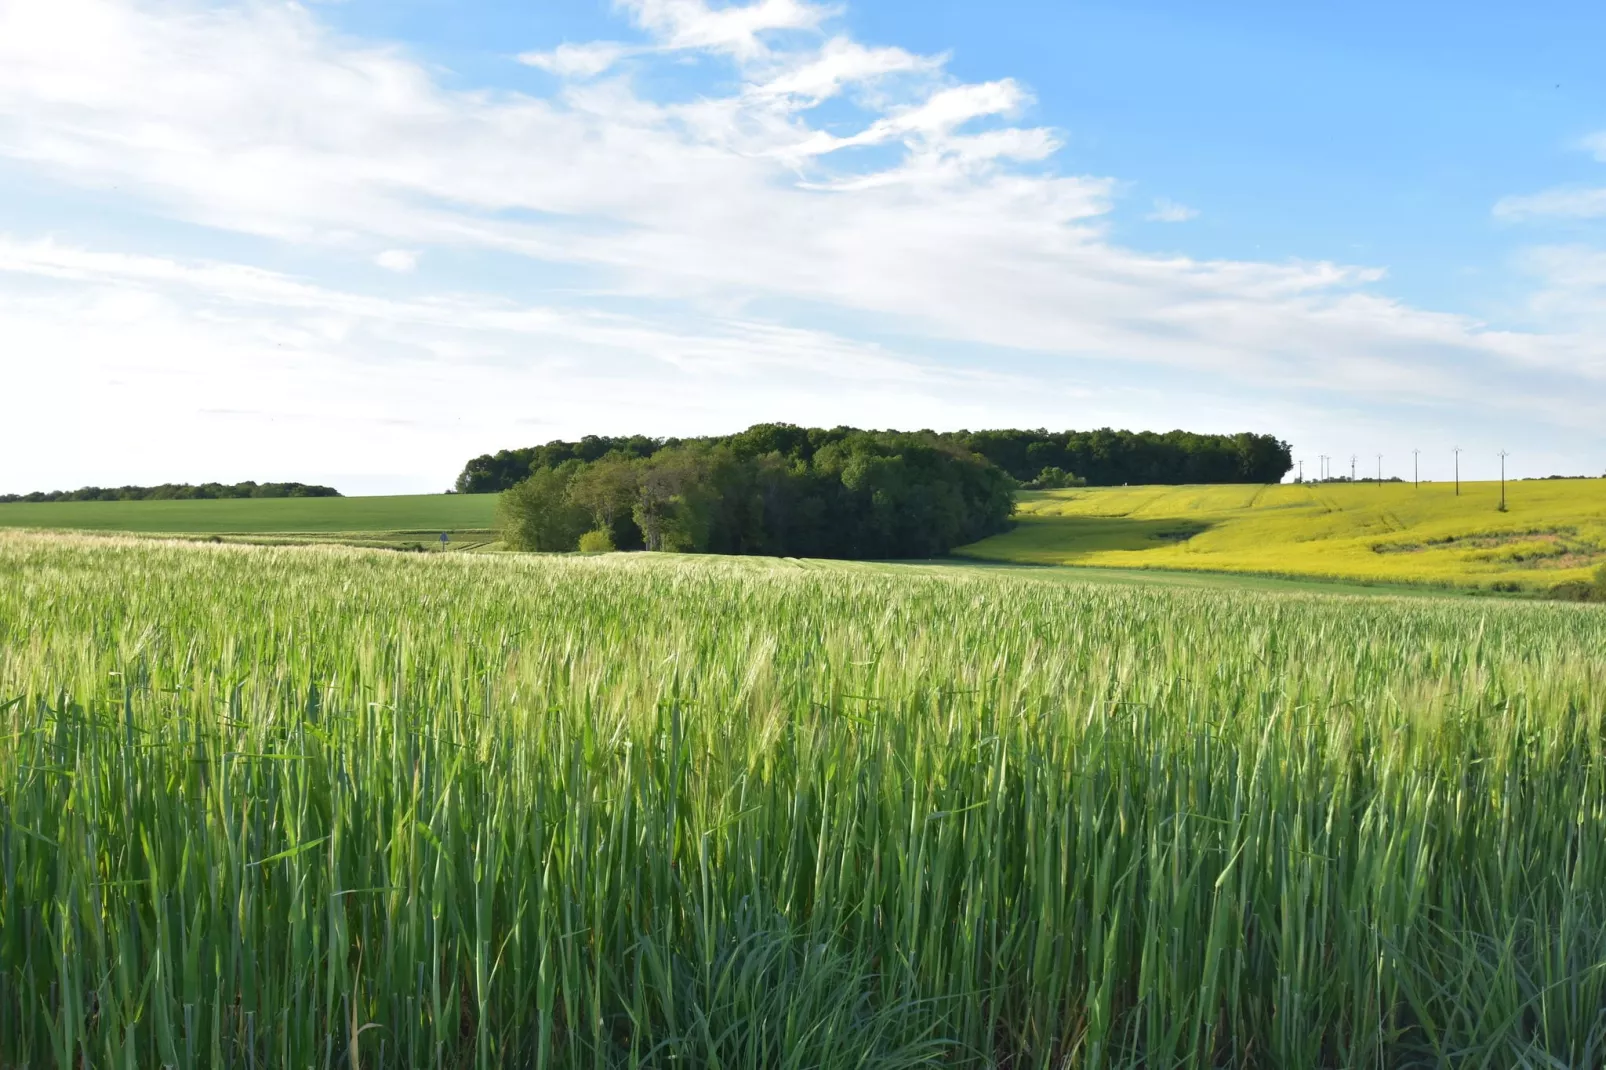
x=359, y=242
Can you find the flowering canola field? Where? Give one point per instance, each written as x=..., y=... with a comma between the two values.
x=1553, y=531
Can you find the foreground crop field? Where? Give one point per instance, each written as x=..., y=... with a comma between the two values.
x=1553, y=531
x=394, y=520
x=322, y=807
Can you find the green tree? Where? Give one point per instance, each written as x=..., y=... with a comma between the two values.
x=1053, y=478
x=674, y=504
x=538, y=513
x=607, y=489
x=772, y=490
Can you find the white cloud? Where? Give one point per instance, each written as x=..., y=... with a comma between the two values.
x=842, y=62
x=947, y=110
x=275, y=372
x=577, y=61
x=1575, y=203
x=928, y=130
x=1169, y=211
x=1570, y=300
x=738, y=29
x=733, y=345
x=908, y=210
x=1572, y=289
x=398, y=260
x=1563, y=202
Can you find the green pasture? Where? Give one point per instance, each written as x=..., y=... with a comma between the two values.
x=327, y=807
x=391, y=519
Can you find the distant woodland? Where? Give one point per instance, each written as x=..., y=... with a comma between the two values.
x=1101, y=458
x=773, y=489
x=177, y=492
x=783, y=490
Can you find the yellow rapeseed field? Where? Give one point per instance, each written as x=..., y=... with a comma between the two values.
x=1553, y=531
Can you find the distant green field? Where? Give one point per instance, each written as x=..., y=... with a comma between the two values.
x=1394, y=533
x=385, y=519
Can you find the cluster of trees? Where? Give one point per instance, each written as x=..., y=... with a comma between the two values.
x=1053, y=478
x=1591, y=590
x=773, y=489
x=177, y=491
x=1098, y=458
x=1107, y=458
x=1357, y=479
x=491, y=473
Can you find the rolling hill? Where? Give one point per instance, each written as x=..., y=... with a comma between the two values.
x=1553, y=531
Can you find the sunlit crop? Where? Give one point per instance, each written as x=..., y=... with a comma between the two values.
x=1552, y=531
x=323, y=807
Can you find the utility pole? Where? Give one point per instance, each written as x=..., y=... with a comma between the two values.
x=1416, y=468
x=1503, y=480
x=1457, y=452
x=1321, y=467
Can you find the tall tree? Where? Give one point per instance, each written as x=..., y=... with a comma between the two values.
x=537, y=514
x=607, y=489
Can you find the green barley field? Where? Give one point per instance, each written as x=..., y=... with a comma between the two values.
x=328, y=807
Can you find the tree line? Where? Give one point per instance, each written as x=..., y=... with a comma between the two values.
x=1100, y=458
x=1108, y=458
x=773, y=489
x=177, y=492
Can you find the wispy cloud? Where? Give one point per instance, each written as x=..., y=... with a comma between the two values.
x=335, y=376
x=1574, y=203
x=1562, y=202
x=738, y=29
x=840, y=63
x=578, y=61
x=1169, y=211
x=398, y=260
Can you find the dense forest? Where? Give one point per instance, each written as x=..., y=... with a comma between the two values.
x=773, y=489
x=177, y=491
x=1097, y=458
x=1106, y=458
